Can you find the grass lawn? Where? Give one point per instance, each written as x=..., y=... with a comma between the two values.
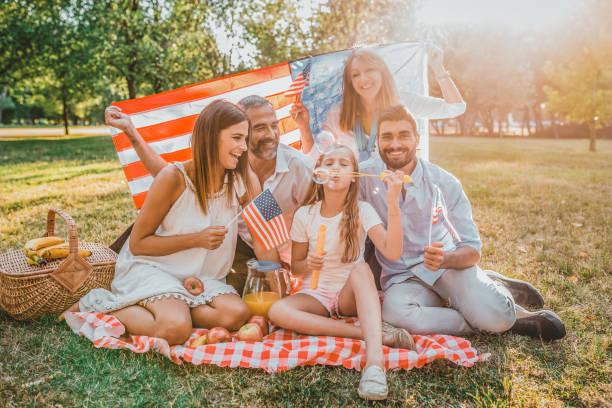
x=543, y=210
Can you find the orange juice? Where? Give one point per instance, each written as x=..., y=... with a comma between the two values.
x=260, y=302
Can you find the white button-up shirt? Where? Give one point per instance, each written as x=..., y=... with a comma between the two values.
x=289, y=185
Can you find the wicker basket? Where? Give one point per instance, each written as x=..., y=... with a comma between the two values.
x=28, y=291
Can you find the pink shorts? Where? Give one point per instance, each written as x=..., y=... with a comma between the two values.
x=329, y=299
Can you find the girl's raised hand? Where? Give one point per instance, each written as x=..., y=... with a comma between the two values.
x=212, y=237
x=315, y=262
x=300, y=114
x=117, y=119
x=394, y=182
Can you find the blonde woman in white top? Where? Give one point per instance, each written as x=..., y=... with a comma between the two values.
x=368, y=89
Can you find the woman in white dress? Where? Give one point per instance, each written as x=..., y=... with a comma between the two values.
x=183, y=230
x=368, y=89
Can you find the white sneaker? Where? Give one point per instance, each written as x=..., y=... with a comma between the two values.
x=373, y=384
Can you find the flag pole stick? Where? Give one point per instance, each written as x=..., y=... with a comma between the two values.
x=234, y=219
x=431, y=213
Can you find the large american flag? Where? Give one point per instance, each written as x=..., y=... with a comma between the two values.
x=266, y=221
x=166, y=120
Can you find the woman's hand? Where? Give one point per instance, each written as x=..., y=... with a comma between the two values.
x=212, y=237
x=315, y=262
x=394, y=182
x=117, y=119
x=300, y=114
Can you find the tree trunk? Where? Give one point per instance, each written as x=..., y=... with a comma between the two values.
x=592, y=137
x=436, y=128
x=553, y=125
x=65, y=111
x=527, y=119
x=462, y=124
x=2, y=96
x=131, y=84
x=537, y=117
x=489, y=122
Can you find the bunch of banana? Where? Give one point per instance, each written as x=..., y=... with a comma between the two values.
x=40, y=250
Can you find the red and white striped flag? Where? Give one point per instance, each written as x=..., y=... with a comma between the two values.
x=265, y=220
x=439, y=206
x=166, y=120
x=299, y=83
x=437, y=209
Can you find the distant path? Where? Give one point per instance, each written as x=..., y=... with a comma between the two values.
x=59, y=131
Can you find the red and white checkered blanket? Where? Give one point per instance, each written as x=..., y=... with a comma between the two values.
x=280, y=350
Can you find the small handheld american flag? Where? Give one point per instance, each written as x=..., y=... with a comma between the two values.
x=265, y=220
x=439, y=206
x=300, y=82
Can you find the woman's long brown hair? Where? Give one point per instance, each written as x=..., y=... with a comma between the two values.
x=352, y=109
x=349, y=224
x=215, y=117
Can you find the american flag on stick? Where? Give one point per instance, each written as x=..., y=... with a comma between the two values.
x=265, y=220
x=439, y=206
x=299, y=83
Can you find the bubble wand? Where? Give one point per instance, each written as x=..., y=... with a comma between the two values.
x=314, y=281
x=321, y=175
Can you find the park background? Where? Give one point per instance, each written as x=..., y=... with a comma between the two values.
x=536, y=76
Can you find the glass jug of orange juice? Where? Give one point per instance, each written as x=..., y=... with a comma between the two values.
x=262, y=286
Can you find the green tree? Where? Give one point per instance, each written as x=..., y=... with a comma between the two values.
x=66, y=62
x=157, y=45
x=580, y=87
x=341, y=24
x=582, y=92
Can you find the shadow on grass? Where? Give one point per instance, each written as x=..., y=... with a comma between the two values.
x=87, y=149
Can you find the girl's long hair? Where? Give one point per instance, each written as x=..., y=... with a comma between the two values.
x=349, y=224
x=352, y=109
x=215, y=117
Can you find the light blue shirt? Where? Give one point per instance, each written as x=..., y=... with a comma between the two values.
x=416, y=210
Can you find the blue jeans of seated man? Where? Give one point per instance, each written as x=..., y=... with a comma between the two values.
x=477, y=303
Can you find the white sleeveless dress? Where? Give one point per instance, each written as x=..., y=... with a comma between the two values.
x=139, y=279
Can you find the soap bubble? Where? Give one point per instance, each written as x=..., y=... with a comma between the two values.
x=320, y=175
x=325, y=142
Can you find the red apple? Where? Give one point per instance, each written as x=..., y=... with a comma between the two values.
x=261, y=322
x=250, y=332
x=218, y=335
x=193, y=285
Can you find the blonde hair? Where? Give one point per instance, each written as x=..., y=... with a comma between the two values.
x=352, y=108
x=349, y=224
x=215, y=117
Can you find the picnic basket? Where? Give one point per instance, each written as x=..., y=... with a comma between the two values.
x=28, y=292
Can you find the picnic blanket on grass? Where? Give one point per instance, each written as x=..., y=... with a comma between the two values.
x=279, y=351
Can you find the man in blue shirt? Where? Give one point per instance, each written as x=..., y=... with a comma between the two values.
x=438, y=267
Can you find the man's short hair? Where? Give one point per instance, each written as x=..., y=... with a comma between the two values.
x=254, y=101
x=395, y=113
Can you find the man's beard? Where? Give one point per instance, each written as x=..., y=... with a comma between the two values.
x=264, y=154
x=396, y=163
